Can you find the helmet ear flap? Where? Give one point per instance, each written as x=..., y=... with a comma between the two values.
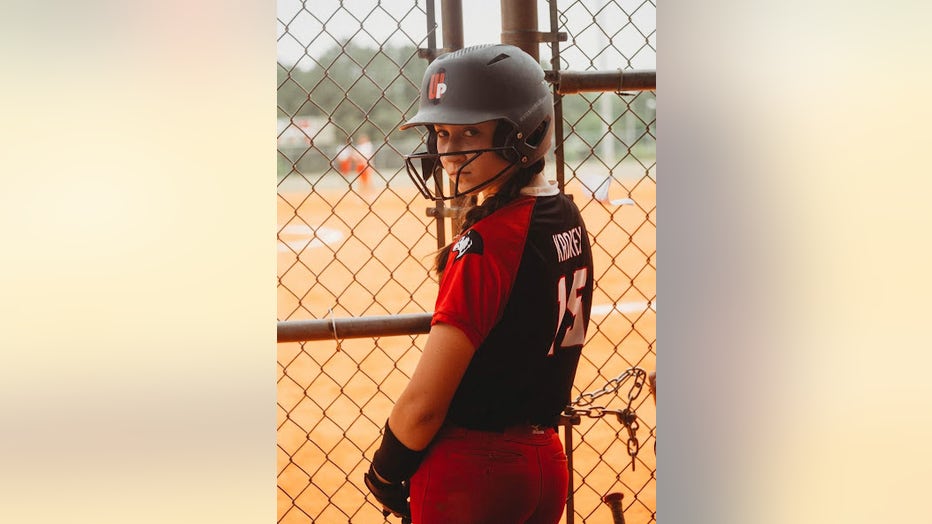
x=505, y=136
x=431, y=140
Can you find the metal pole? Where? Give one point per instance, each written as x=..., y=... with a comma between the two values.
x=452, y=20
x=359, y=327
x=430, y=54
x=569, y=82
x=557, y=101
x=568, y=444
x=568, y=422
x=606, y=102
x=519, y=25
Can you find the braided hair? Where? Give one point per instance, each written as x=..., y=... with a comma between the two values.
x=473, y=213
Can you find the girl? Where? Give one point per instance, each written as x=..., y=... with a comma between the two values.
x=472, y=438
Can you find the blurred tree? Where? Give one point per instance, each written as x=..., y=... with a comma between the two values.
x=357, y=89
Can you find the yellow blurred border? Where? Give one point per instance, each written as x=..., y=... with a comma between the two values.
x=138, y=312
x=792, y=262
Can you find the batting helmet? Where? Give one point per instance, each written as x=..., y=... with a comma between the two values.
x=478, y=84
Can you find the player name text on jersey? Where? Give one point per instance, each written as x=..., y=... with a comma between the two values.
x=568, y=243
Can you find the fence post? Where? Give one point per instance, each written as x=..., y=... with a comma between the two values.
x=519, y=26
x=452, y=17
x=568, y=423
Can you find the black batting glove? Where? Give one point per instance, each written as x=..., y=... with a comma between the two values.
x=392, y=496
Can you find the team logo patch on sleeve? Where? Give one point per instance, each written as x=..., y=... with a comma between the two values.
x=471, y=242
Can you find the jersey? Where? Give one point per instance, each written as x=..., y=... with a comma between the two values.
x=519, y=284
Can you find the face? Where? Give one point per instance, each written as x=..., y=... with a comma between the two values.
x=475, y=170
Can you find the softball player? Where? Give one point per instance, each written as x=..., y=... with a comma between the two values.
x=473, y=438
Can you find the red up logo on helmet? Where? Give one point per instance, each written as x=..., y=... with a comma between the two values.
x=437, y=86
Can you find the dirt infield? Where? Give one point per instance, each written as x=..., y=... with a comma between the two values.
x=333, y=398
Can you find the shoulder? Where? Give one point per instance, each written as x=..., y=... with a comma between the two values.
x=500, y=235
x=507, y=221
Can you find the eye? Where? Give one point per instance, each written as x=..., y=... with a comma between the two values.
x=471, y=132
x=442, y=133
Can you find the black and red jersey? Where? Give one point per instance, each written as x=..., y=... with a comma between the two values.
x=519, y=284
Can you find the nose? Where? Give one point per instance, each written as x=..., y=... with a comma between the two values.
x=452, y=157
x=455, y=158
x=452, y=164
x=451, y=149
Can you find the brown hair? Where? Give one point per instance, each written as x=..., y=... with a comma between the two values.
x=474, y=213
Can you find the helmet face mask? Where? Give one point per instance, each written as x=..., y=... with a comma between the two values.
x=479, y=84
x=430, y=167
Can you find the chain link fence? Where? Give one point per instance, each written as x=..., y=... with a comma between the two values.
x=355, y=240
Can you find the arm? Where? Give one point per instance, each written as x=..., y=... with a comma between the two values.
x=418, y=415
x=422, y=407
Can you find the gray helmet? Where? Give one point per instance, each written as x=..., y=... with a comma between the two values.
x=477, y=84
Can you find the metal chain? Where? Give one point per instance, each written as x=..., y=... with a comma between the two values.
x=627, y=416
x=613, y=385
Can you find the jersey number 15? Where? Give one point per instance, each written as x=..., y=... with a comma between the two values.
x=575, y=334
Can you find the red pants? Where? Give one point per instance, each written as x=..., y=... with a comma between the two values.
x=474, y=477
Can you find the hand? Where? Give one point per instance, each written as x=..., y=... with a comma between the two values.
x=392, y=496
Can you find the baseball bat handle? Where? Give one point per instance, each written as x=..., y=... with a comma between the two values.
x=613, y=501
x=652, y=385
